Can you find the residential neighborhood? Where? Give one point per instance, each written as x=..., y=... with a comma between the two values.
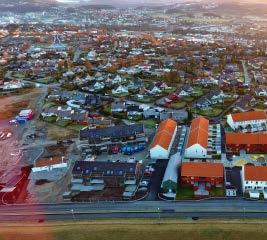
x=153, y=109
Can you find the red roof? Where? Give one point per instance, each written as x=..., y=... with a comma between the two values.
x=246, y=138
x=199, y=132
x=248, y=116
x=202, y=169
x=255, y=173
x=164, y=134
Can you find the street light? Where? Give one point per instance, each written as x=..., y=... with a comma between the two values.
x=72, y=212
x=159, y=214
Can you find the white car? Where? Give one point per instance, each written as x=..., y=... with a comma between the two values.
x=13, y=121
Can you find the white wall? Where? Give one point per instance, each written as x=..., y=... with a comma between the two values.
x=252, y=185
x=196, y=151
x=49, y=168
x=235, y=125
x=158, y=152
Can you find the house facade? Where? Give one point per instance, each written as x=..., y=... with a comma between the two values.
x=254, y=180
x=202, y=176
x=255, y=120
x=249, y=142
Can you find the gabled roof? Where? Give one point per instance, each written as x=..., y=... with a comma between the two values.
x=246, y=138
x=202, y=169
x=255, y=173
x=86, y=168
x=112, y=132
x=248, y=116
x=164, y=134
x=199, y=132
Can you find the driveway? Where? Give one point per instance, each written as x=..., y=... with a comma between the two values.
x=156, y=179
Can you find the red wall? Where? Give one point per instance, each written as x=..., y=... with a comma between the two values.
x=252, y=148
x=213, y=181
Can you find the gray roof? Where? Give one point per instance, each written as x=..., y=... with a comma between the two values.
x=171, y=172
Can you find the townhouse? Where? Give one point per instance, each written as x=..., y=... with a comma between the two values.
x=202, y=176
x=197, y=142
x=163, y=140
x=248, y=142
x=254, y=180
x=248, y=121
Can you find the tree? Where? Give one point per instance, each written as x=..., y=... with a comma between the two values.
x=172, y=78
x=88, y=66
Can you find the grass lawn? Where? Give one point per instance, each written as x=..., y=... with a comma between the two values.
x=260, y=106
x=211, y=112
x=184, y=192
x=143, y=100
x=19, y=75
x=149, y=123
x=121, y=94
x=141, y=229
x=170, y=90
x=49, y=104
x=178, y=105
x=188, y=99
x=107, y=109
x=217, y=192
x=198, y=92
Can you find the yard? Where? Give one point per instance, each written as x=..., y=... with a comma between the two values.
x=149, y=123
x=217, y=192
x=210, y=112
x=130, y=229
x=145, y=99
x=198, y=92
x=178, y=105
x=188, y=99
x=49, y=104
x=120, y=94
x=184, y=193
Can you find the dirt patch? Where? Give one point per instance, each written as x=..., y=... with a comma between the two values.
x=12, y=104
x=59, y=133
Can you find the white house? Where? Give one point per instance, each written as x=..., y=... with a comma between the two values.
x=91, y=55
x=13, y=85
x=117, y=80
x=254, y=180
x=163, y=140
x=120, y=90
x=261, y=92
x=197, y=142
x=99, y=85
x=255, y=119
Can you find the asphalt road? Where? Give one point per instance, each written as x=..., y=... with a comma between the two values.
x=247, y=78
x=225, y=209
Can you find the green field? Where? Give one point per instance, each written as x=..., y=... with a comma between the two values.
x=137, y=229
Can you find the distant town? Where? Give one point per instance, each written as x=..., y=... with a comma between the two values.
x=133, y=104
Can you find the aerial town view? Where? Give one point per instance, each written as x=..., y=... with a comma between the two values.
x=133, y=119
